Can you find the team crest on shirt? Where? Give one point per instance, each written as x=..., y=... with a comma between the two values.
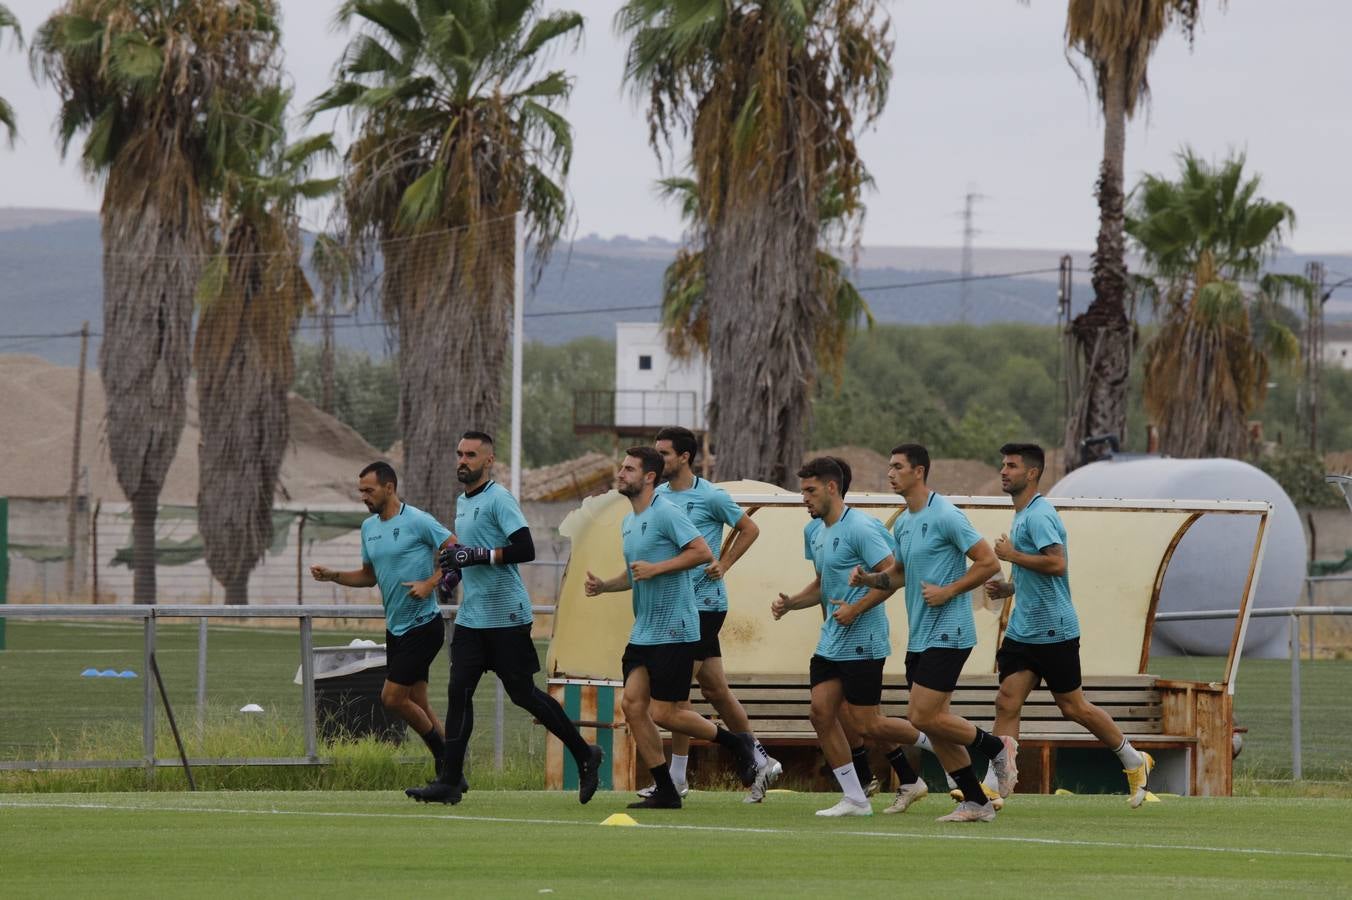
x=396, y=534
x=690, y=507
x=834, y=544
x=643, y=529
x=923, y=528
x=476, y=513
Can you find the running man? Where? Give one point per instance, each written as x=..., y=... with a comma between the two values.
x=932, y=542
x=846, y=669
x=661, y=545
x=399, y=545
x=709, y=508
x=492, y=628
x=1042, y=641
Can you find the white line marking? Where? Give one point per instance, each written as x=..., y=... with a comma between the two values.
x=502, y=820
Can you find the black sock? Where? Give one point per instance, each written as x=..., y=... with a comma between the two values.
x=434, y=743
x=736, y=743
x=662, y=782
x=459, y=725
x=987, y=744
x=859, y=755
x=902, y=766
x=970, y=785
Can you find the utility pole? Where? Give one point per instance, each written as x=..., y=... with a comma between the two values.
x=968, y=233
x=73, y=497
x=1314, y=348
x=1069, y=374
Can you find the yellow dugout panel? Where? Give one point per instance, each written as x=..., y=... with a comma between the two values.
x=1117, y=554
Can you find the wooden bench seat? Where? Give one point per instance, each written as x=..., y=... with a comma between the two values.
x=1178, y=722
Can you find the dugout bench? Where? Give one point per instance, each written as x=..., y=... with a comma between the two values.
x=1120, y=551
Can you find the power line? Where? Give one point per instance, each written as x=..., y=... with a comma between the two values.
x=600, y=310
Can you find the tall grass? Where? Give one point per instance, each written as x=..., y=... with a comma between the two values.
x=350, y=763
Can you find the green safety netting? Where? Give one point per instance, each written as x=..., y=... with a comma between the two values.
x=43, y=553
x=319, y=526
x=1332, y=566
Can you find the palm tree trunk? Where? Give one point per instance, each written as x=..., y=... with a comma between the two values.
x=1103, y=332
x=453, y=331
x=145, y=507
x=765, y=307
x=152, y=257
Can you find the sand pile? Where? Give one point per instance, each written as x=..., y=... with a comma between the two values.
x=37, y=407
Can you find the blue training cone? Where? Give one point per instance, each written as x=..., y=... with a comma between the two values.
x=126, y=673
x=108, y=673
x=90, y=673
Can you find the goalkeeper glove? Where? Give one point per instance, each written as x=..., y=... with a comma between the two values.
x=458, y=556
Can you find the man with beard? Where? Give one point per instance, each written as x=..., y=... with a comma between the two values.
x=709, y=509
x=932, y=544
x=1042, y=641
x=492, y=628
x=399, y=545
x=661, y=546
x=846, y=669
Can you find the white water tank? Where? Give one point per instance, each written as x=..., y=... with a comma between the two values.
x=1211, y=563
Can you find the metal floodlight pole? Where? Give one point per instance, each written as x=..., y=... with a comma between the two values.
x=518, y=346
x=1295, y=699
x=307, y=685
x=148, y=699
x=201, y=673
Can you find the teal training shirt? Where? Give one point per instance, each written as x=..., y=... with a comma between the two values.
x=664, y=607
x=932, y=547
x=857, y=539
x=492, y=596
x=1043, y=612
x=403, y=549
x=709, y=508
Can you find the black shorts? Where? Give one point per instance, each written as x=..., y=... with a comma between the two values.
x=710, y=623
x=506, y=651
x=1058, y=664
x=408, y=656
x=936, y=668
x=670, y=668
x=862, y=679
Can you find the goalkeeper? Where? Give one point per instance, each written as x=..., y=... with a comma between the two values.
x=492, y=628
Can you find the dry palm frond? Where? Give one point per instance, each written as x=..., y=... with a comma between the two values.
x=770, y=95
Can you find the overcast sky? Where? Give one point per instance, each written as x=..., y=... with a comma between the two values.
x=982, y=99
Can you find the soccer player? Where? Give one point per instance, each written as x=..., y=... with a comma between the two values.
x=709, y=508
x=661, y=545
x=932, y=542
x=846, y=669
x=492, y=628
x=1042, y=641
x=399, y=545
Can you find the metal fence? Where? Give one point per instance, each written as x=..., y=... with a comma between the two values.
x=1294, y=614
x=305, y=616
x=151, y=615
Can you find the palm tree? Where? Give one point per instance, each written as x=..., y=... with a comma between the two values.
x=685, y=315
x=252, y=295
x=457, y=131
x=1205, y=238
x=7, y=20
x=332, y=264
x=151, y=84
x=1116, y=37
x=770, y=94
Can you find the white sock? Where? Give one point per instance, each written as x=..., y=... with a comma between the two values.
x=952, y=785
x=991, y=781
x=678, y=768
x=1127, y=753
x=923, y=742
x=761, y=756
x=849, y=783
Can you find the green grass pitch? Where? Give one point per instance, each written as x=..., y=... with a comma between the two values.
x=530, y=844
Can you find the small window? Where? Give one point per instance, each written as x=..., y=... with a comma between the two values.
x=645, y=363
